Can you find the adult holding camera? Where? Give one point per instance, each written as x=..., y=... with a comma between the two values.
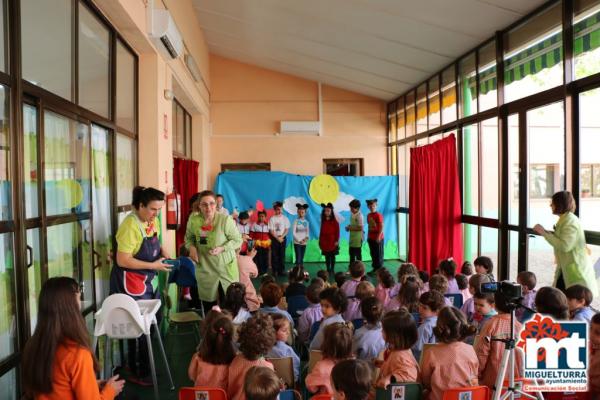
x=212, y=239
x=139, y=258
x=570, y=250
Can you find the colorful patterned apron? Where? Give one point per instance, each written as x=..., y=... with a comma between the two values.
x=137, y=283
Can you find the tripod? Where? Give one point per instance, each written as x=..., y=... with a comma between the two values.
x=508, y=361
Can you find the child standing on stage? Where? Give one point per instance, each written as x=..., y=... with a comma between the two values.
x=244, y=228
x=262, y=242
x=375, y=236
x=279, y=225
x=300, y=233
x=329, y=236
x=356, y=231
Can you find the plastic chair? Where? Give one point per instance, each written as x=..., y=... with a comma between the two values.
x=313, y=357
x=416, y=316
x=289, y=395
x=455, y=298
x=296, y=304
x=467, y=393
x=121, y=317
x=313, y=330
x=322, y=396
x=400, y=391
x=179, y=320
x=358, y=322
x=202, y=392
x=284, y=368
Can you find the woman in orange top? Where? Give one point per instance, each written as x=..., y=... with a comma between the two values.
x=58, y=362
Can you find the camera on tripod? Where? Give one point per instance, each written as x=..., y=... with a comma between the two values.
x=509, y=291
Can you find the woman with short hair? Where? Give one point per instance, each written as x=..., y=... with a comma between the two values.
x=573, y=265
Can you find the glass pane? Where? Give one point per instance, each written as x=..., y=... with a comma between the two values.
x=34, y=274
x=403, y=238
x=470, y=170
x=3, y=37
x=101, y=213
x=46, y=41
x=125, y=88
x=401, y=119
x=513, y=256
x=66, y=165
x=488, y=81
x=63, y=243
x=589, y=174
x=546, y=142
x=434, y=103
x=422, y=108
x=392, y=123
x=467, y=75
x=409, y=146
x=533, y=55
x=448, y=95
x=121, y=216
x=8, y=385
x=174, y=127
x=489, y=168
x=85, y=230
x=94, y=64
x=410, y=114
x=188, y=135
x=8, y=321
x=489, y=246
x=5, y=192
x=403, y=176
x=471, y=238
x=393, y=160
x=513, y=163
x=423, y=141
x=595, y=259
x=30, y=160
x=125, y=169
x=540, y=260
x=586, y=31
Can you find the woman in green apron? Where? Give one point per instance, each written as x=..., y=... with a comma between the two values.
x=573, y=265
x=212, y=239
x=139, y=258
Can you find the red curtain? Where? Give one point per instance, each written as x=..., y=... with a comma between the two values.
x=185, y=182
x=435, y=231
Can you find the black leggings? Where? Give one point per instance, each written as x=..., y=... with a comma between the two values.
x=330, y=262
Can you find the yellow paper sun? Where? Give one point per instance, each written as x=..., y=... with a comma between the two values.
x=324, y=189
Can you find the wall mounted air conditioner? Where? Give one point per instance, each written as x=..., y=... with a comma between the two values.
x=164, y=33
x=300, y=127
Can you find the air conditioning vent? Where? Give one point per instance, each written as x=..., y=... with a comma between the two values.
x=300, y=127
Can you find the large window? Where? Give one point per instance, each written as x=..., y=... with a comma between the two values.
x=46, y=37
x=523, y=134
x=182, y=131
x=75, y=71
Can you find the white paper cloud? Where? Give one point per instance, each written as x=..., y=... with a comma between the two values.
x=289, y=204
x=341, y=204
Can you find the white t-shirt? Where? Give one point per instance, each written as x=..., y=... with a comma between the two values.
x=223, y=211
x=278, y=224
x=300, y=230
x=244, y=229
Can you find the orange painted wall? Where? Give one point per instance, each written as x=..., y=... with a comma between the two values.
x=248, y=103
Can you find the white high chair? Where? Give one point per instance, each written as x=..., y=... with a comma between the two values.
x=121, y=317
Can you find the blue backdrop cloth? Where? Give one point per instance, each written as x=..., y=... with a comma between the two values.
x=244, y=190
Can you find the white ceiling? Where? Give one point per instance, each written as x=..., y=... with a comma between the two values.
x=379, y=48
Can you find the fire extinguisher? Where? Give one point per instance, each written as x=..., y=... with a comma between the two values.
x=173, y=211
